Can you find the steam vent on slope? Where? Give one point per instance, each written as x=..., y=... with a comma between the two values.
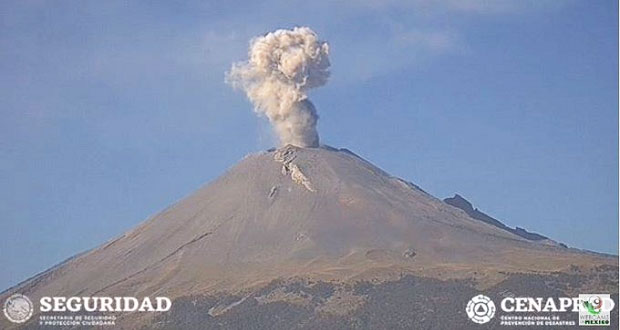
x=313, y=238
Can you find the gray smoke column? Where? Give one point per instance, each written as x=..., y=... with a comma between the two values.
x=282, y=66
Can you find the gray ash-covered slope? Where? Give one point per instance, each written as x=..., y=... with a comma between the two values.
x=410, y=302
x=301, y=215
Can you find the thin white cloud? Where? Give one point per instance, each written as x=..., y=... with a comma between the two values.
x=400, y=49
x=434, y=41
x=486, y=7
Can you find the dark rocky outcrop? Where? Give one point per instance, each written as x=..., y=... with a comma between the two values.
x=465, y=205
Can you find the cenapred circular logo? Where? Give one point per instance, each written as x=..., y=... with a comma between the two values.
x=480, y=309
x=18, y=308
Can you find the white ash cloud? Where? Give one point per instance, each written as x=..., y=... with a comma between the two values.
x=282, y=66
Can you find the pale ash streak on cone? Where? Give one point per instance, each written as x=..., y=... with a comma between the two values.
x=282, y=66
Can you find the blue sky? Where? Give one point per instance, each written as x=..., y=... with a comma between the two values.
x=111, y=111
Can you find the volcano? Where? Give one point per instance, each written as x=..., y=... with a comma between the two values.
x=317, y=238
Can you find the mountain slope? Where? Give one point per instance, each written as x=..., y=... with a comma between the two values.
x=314, y=213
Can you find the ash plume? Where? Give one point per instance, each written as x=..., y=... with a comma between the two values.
x=282, y=66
